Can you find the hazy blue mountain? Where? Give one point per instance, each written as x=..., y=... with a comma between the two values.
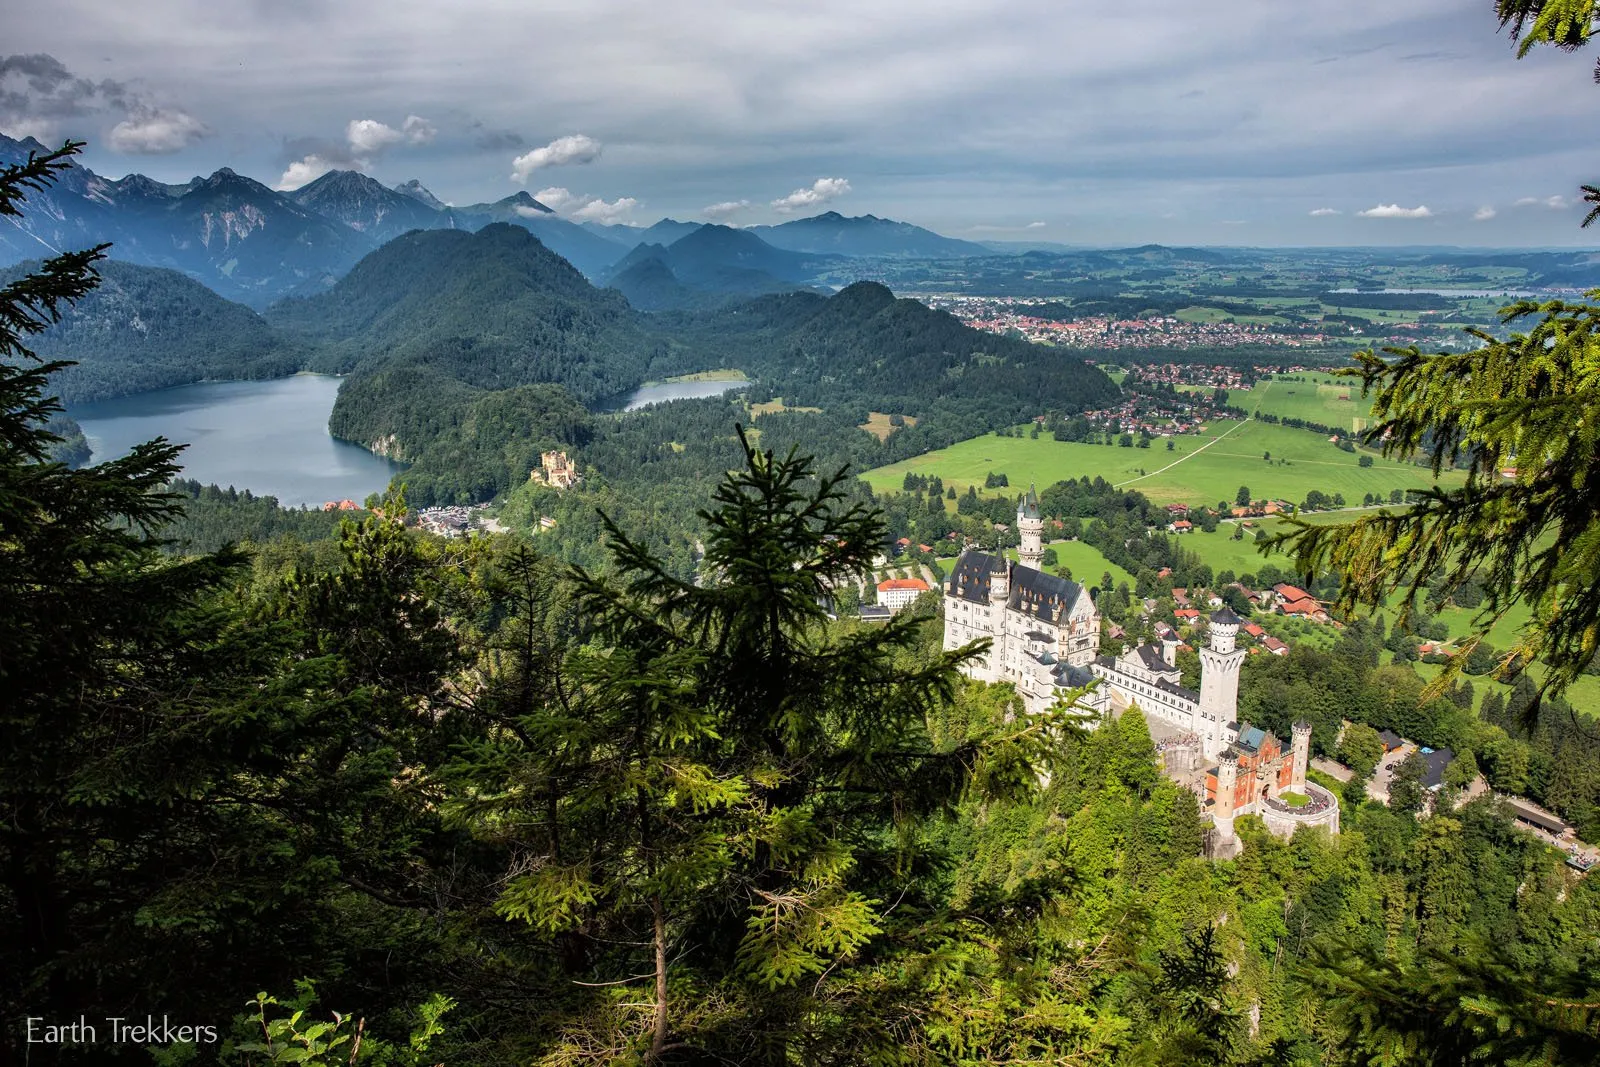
x=865, y=235
x=667, y=231
x=705, y=268
x=230, y=232
x=368, y=206
x=513, y=208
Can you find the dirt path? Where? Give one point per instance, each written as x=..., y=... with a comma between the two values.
x=1185, y=459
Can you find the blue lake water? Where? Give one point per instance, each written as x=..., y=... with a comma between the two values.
x=270, y=437
x=662, y=392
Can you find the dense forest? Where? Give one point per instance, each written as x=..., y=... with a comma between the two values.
x=399, y=800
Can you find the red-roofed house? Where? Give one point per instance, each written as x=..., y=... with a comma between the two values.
x=1292, y=600
x=1253, y=630
x=1276, y=647
x=896, y=593
x=1180, y=596
x=1182, y=526
x=1187, y=614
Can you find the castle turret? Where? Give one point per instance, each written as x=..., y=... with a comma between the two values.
x=1219, y=671
x=1227, y=786
x=1169, y=649
x=1030, y=527
x=1302, y=755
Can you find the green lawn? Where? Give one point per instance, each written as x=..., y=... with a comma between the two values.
x=1085, y=562
x=1201, y=469
x=1320, y=398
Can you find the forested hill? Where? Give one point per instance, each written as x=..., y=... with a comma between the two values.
x=493, y=309
x=149, y=328
x=863, y=345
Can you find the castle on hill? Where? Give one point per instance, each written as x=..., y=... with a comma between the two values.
x=1044, y=634
x=556, y=471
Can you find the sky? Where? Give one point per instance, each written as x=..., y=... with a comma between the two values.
x=1234, y=122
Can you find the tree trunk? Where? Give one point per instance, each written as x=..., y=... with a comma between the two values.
x=658, y=1040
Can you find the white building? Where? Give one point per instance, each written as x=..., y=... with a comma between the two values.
x=1045, y=638
x=898, y=593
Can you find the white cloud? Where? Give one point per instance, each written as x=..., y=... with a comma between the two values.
x=369, y=137
x=563, y=151
x=1318, y=212
x=820, y=192
x=530, y=212
x=725, y=209
x=151, y=131
x=1557, y=203
x=1526, y=201
x=1483, y=214
x=598, y=210
x=418, y=130
x=582, y=207
x=556, y=198
x=984, y=227
x=1395, y=211
x=304, y=170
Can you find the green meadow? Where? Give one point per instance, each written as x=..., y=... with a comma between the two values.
x=1314, y=397
x=1201, y=469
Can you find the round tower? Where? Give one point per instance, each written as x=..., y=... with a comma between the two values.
x=1227, y=785
x=1030, y=528
x=1220, y=661
x=1302, y=754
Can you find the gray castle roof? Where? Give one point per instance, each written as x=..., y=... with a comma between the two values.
x=1225, y=616
x=1034, y=593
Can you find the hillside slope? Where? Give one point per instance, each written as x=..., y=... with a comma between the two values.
x=150, y=328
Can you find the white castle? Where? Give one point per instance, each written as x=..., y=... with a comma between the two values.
x=1044, y=635
x=1045, y=639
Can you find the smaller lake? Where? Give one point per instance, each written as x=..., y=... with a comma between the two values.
x=1446, y=292
x=662, y=392
x=270, y=437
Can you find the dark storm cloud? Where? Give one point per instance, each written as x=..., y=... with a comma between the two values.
x=1163, y=125
x=41, y=97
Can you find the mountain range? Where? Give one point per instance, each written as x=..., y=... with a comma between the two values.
x=257, y=245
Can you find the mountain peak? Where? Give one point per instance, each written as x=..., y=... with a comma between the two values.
x=522, y=199
x=417, y=191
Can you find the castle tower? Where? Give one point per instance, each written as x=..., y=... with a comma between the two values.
x=1227, y=784
x=1219, y=669
x=1302, y=755
x=1169, y=650
x=1030, y=528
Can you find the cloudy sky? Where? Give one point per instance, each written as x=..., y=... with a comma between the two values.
x=1232, y=122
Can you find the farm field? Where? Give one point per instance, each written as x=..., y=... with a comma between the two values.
x=1201, y=469
x=1320, y=398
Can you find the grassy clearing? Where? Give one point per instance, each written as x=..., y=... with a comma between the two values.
x=776, y=406
x=1201, y=469
x=1085, y=562
x=878, y=425
x=723, y=375
x=1320, y=398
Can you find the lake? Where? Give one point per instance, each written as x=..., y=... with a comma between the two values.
x=661, y=392
x=270, y=437
x=1465, y=293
